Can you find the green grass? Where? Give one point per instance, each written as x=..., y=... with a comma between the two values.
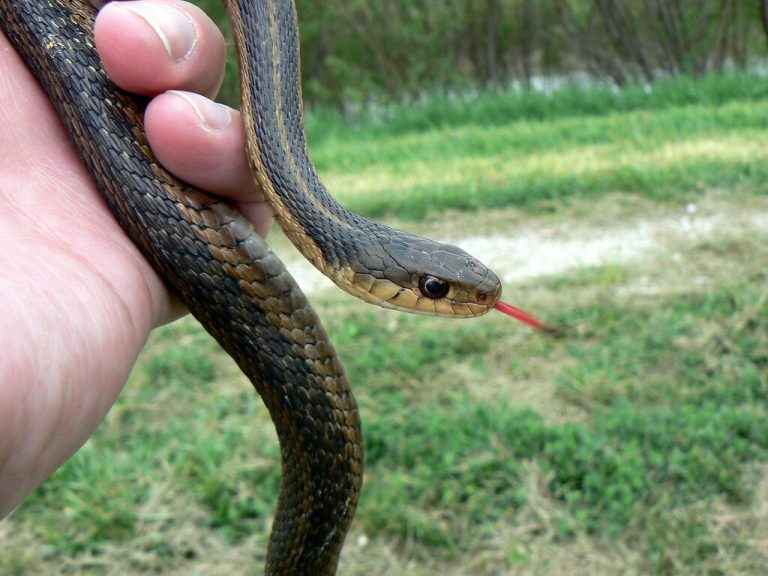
x=670, y=150
x=490, y=109
x=675, y=435
x=637, y=443
x=671, y=419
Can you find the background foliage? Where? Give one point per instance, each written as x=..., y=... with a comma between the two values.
x=355, y=51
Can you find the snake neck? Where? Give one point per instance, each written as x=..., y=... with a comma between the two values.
x=326, y=233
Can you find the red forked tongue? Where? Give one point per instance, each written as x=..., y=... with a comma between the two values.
x=524, y=317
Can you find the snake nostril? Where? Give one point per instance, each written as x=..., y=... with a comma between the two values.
x=490, y=294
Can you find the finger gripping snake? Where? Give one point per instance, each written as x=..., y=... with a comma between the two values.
x=224, y=272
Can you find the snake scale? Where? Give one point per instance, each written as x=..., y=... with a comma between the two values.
x=226, y=274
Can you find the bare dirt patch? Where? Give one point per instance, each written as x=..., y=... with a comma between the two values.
x=548, y=246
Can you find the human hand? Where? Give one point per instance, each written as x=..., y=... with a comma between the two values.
x=77, y=300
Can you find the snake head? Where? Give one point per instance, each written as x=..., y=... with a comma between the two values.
x=414, y=274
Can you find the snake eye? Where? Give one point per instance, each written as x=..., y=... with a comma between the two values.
x=433, y=288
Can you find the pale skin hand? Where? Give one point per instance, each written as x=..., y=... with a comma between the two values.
x=77, y=300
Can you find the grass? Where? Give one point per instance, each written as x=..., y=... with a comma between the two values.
x=636, y=444
x=671, y=155
x=493, y=108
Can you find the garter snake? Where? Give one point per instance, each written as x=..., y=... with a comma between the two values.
x=225, y=273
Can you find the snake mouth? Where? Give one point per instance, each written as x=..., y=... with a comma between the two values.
x=387, y=294
x=408, y=301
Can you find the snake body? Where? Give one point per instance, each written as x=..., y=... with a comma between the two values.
x=226, y=274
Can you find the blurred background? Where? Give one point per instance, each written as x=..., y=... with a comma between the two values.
x=609, y=158
x=356, y=52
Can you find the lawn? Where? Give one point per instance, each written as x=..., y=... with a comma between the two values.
x=635, y=444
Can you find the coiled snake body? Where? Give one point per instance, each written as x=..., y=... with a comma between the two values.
x=225, y=273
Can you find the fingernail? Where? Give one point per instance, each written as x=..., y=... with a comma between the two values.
x=212, y=116
x=175, y=28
